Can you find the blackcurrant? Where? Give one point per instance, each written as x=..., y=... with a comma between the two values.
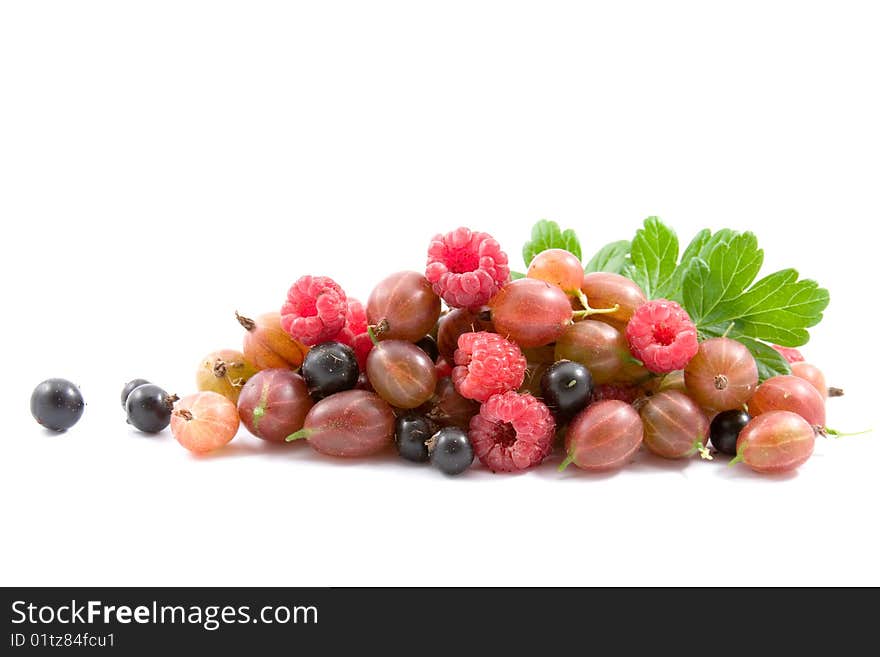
x=148, y=408
x=725, y=429
x=128, y=387
x=451, y=451
x=411, y=433
x=57, y=404
x=566, y=387
x=328, y=368
x=429, y=346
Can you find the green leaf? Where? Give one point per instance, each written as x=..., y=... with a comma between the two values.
x=611, y=257
x=724, y=235
x=731, y=267
x=778, y=308
x=695, y=279
x=672, y=290
x=719, y=295
x=515, y=275
x=547, y=235
x=654, y=256
x=770, y=362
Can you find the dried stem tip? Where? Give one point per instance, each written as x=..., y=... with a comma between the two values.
x=246, y=322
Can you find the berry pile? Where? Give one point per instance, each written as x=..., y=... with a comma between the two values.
x=630, y=350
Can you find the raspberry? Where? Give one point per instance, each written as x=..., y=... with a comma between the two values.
x=512, y=432
x=662, y=335
x=789, y=354
x=487, y=364
x=354, y=333
x=466, y=268
x=315, y=310
x=622, y=393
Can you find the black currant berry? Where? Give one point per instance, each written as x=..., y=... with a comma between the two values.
x=451, y=451
x=429, y=346
x=57, y=404
x=329, y=368
x=725, y=429
x=128, y=387
x=411, y=433
x=566, y=388
x=149, y=408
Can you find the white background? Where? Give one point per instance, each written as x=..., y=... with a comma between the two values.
x=163, y=164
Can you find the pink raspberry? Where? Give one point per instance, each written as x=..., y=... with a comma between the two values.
x=354, y=333
x=487, y=364
x=662, y=335
x=466, y=268
x=622, y=393
x=512, y=432
x=789, y=354
x=315, y=310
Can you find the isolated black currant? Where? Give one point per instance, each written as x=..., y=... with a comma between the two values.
x=148, y=408
x=128, y=387
x=411, y=433
x=328, y=368
x=451, y=451
x=57, y=404
x=566, y=387
x=429, y=346
x=725, y=429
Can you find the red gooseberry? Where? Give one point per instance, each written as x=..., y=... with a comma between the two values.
x=604, y=436
x=789, y=393
x=675, y=426
x=722, y=375
x=274, y=404
x=349, y=424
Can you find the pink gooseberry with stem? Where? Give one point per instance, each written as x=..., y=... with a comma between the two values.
x=604, y=289
x=204, y=421
x=675, y=426
x=776, y=441
x=350, y=424
x=602, y=437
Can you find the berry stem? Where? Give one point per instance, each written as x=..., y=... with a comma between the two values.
x=219, y=369
x=737, y=459
x=569, y=459
x=835, y=392
x=371, y=331
x=581, y=314
x=827, y=431
x=302, y=433
x=698, y=446
x=381, y=327
x=246, y=322
x=587, y=311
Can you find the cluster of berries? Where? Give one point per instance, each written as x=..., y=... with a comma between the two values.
x=509, y=367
